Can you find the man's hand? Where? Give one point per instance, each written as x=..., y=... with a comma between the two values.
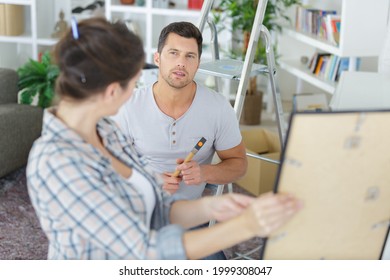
x=191, y=172
x=171, y=184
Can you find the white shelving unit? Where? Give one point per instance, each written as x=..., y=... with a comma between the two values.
x=40, y=17
x=16, y=49
x=363, y=28
x=151, y=20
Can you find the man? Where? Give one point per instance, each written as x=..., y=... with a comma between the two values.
x=167, y=119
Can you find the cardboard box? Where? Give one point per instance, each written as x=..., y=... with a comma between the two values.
x=260, y=175
x=11, y=20
x=309, y=102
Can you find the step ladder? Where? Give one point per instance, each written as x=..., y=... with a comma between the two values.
x=242, y=71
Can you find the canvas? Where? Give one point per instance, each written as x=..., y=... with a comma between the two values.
x=338, y=164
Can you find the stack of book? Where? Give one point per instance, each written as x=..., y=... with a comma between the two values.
x=324, y=24
x=328, y=66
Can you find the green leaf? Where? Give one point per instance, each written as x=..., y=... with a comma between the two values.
x=48, y=92
x=38, y=77
x=41, y=101
x=26, y=98
x=52, y=73
x=45, y=59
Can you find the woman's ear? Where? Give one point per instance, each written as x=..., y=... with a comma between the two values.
x=112, y=90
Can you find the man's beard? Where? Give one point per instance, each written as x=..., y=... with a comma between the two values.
x=175, y=83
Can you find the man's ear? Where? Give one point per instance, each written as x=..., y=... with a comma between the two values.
x=156, y=58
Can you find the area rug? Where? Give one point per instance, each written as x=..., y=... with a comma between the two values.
x=21, y=237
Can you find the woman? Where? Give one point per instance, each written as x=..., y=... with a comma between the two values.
x=94, y=195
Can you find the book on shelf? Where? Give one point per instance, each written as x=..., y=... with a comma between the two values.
x=332, y=23
x=316, y=62
x=325, y=63
x=320, y=69
x=328, y=66
x=325, y=73
x=324, y=24
x=344, y=65
x=318, y=66
x=332, y=75
x=336, y=23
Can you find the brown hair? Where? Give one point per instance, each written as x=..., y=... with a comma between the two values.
x=183, y=29
x=101, y=54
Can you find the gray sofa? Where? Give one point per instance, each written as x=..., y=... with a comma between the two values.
x=20, y=124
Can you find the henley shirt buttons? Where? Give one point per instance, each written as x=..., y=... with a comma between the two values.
x=173, y=133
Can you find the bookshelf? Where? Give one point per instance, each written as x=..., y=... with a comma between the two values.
x=362, y=31
x=151, y=20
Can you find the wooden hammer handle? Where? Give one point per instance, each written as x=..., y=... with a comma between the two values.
x=187, y=159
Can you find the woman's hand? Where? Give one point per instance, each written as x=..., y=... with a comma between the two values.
x=270, y=211
x=225, y=207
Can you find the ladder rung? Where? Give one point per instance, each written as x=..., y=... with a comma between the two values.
x=229, y=68
x=262, y=158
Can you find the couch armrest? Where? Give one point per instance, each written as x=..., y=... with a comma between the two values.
x=8, y=86
x=20, y=125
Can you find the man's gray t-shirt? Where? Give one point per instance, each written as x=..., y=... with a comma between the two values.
x=163, y=139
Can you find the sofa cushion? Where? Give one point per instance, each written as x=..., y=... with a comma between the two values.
x=8, y=86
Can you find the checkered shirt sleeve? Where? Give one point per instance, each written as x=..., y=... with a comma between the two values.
x=87, y=210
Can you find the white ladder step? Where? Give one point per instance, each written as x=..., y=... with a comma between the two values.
x=229, y=68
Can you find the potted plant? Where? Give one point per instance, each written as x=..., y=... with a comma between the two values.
x=242, y=14
x=38, y=78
